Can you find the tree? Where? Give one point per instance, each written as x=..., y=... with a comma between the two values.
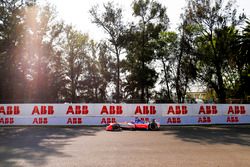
x=245, y=52
x=177, y=63
x=166, y=49
x=29, y=47
x=186, y=71
x=212, y=19
x=11, y=40
x=39, y=52
x=241, y=62
x=99, y=67
x=107, y=68
x=140, y=50
x=111, y=21
x=91, y=79
x=75, y=51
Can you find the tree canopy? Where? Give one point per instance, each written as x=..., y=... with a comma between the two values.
x=43, y=59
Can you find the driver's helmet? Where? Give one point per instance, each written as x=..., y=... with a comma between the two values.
x=137, y=119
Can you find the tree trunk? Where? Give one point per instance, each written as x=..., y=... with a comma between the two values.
x=221, y=90
x=118, y=77
x=142, y=87
x=177, y=82
x=73, y=93
x=143, y=63
x=166, y=78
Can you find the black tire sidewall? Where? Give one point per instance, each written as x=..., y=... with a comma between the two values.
x=153, y=126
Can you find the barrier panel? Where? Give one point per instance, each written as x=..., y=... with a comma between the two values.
x=102, y=114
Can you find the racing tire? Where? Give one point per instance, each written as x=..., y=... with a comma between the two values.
x=153, y=126
x=116, y=127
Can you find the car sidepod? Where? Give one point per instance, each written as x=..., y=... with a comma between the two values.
x=141, y=126
x=128, y=126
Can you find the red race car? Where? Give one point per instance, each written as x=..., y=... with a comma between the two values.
x=133, y=125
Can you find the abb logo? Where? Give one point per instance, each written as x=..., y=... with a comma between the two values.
x=40, y=121
x=204, y=120
x=208, y=110
x=6, y=121
x=236, y=110
x=74, y=121
x=9, y=110
x=173, y=120
x=78, y=110
x=108, y=120
x=112, y=110
x=145, y=110
x=232, y=119
x=177, y=110
x=43, y=110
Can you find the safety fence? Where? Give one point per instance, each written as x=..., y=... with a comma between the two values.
x=102, y=114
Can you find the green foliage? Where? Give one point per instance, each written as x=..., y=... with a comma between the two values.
x=166, y=50
x=213, y=42
x=98, y=73
x=241, y=62
x=75, y=49
x=25, y=64
x=112, y=24
x=44, y=60
x=141, y=75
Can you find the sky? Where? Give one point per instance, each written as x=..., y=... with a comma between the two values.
x=76, y=12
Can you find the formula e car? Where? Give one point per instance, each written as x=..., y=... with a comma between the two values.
x=133, y=125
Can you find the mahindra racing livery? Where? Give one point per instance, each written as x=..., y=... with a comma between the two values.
x=133, y=125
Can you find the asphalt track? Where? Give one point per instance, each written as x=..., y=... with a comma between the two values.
x=92, y=146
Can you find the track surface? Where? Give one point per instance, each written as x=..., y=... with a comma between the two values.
x=92, y=146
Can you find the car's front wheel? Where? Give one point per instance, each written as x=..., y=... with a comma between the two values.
x=153, y=126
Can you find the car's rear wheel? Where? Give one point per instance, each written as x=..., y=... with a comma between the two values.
x=116, y=127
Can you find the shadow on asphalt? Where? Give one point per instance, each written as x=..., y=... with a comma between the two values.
x=211, y=135
x=35, y=144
